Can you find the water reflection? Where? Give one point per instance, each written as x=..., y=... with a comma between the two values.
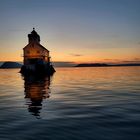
x=36, y=89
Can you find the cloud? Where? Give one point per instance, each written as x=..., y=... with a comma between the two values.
x=76, y=55
x=135, y=60
x=110, y=59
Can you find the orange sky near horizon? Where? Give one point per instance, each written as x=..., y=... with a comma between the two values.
x=73, y=31
x=81, y=51
x=82, y=55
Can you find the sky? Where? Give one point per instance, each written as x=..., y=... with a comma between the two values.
x=73, y=30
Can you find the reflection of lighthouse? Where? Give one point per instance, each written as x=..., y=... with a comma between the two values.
x=36, y=89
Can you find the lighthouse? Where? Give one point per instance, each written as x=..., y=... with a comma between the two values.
x=36, y=57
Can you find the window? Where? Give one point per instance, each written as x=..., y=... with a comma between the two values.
x=28, y=52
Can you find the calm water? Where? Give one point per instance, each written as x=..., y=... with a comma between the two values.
x=74, y=104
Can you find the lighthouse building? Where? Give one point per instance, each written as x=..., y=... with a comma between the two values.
x=36, y=56
x=34, y=52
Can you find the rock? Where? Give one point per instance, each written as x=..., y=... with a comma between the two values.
x=10, y=64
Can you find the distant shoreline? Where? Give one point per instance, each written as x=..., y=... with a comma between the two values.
x=105, y=65
x=69, y=64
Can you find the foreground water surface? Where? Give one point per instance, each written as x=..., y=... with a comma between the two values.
x=74, y=104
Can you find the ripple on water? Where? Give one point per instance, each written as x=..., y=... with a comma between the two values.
x=76, y=103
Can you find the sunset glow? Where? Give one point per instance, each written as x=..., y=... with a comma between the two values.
x=74, y=31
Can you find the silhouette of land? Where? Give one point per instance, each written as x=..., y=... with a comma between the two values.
x=9, y=64
x=105, y=65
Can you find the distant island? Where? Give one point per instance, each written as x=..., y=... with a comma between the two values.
x=105, y=65
x=9, y=64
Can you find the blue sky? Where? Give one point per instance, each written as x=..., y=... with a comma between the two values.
x=73, y=30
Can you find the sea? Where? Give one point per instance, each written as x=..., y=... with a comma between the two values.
x=96, y=103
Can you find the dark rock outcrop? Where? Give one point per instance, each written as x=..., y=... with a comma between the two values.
x=9, y=64
x=38, y=70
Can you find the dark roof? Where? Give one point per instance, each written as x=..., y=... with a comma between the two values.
x=38, y=45
x=34, y=32
x=34, y=38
